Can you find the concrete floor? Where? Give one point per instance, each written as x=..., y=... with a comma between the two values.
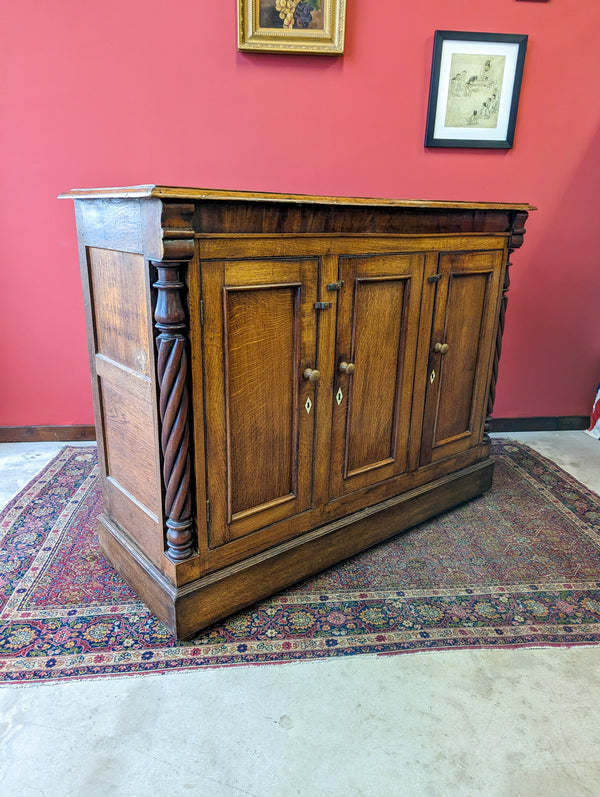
x=491, y=722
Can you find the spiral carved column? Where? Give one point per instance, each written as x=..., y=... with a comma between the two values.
x=514, y=242
x=172, y=371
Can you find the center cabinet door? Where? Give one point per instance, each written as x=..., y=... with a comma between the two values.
x=377, y=326
x=259, y=338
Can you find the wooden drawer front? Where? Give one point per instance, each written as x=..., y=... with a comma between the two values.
x=260, y=336
x=378, y=320
x=465, y=319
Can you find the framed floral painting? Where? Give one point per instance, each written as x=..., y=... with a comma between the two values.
x=292, y=26
x=474, y=91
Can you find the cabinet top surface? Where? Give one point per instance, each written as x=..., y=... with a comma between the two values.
x=208, y=194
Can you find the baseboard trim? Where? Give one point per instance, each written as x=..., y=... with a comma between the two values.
x=63, y=434
x=565, y=423
x=46, y=434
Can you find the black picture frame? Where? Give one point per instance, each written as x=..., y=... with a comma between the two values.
x=474, y=90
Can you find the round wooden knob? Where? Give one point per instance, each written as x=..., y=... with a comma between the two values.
x=347, y=368
x=442, y=348
x=312, y=374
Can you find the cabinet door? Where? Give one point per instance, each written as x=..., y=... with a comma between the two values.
x=461, y=349
x=377, y=326
x=259, y=337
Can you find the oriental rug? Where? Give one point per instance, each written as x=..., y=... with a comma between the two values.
x=518, y=567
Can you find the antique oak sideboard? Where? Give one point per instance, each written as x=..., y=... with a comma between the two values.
x=281, y=381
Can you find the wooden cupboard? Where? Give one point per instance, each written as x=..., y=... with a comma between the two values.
x=281, y=381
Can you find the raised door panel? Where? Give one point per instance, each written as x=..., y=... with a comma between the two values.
x=259, y=338
x=464, y=324
x=378, y=321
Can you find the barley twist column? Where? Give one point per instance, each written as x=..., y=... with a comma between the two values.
x=172, y=372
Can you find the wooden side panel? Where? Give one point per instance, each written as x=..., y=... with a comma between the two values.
x=260, y=336
x=378, y=319
x=126, y=395
x=464, y=325
x=128, y=438
x=118, y=282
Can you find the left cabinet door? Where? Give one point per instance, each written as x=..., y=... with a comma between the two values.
x=259, y=338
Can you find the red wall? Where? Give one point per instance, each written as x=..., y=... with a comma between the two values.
x=138, y=91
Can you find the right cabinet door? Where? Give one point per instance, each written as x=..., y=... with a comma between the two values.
x=461, y=348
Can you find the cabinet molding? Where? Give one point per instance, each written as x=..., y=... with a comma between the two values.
x=281, y=381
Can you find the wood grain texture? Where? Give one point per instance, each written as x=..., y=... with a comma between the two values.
x=377, y=332
x=458, y=368
x=122, y=337
x=112, y=224
x=260, y=336
x=261, y=357
x=372, y=390
x=255, y=293
x=126, y=430
x=121, y=361
x=239, y=246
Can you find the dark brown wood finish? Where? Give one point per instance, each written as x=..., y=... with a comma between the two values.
x=562, y=423
x=262, y=368
x=172, y=373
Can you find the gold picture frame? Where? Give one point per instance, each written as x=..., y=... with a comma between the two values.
x=314, y=27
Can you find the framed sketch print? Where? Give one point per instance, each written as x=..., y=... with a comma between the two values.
x=292, y=26
x=474, y=91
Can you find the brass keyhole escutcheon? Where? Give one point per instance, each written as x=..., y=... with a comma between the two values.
x=441, y=348
x=312, y=374
x=347, y=368
x=432, y=377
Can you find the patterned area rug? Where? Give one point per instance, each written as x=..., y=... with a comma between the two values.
x=519, y=566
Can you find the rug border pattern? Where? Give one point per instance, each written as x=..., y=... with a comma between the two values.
x=170, y=656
